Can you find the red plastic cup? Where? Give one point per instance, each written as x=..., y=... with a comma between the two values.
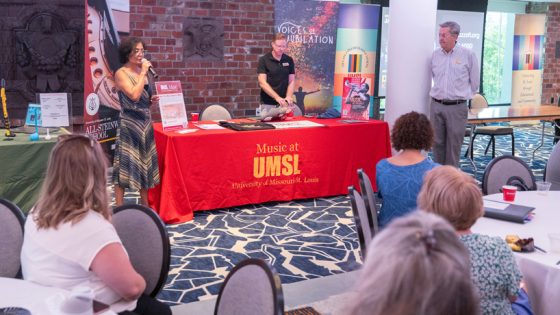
x=194, y=116
x=509, y=192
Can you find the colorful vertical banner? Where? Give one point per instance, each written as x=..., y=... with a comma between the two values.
x=528, y=57
x=356, y=49
x=528, y=50
x=105, y=20
x=310, y=27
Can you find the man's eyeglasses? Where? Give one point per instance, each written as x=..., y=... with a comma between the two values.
x=137, y=51
x=71, y=137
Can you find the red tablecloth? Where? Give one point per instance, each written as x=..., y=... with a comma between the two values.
x=211, y=169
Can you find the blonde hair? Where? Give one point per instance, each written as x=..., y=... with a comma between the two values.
x=75, y=183
x=452, y=194
x=416, y=266
x=278, y=36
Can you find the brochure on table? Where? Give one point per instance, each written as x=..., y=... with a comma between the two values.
x=54, y=109
x=171, y=105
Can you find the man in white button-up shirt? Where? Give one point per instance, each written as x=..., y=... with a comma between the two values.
x=456, y=78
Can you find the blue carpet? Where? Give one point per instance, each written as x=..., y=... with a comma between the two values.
x=302, y=239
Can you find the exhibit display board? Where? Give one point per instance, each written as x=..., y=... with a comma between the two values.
x=528, y=59
x=310, y=28
x=106, y=21
x=356, y=53
x=472, y=31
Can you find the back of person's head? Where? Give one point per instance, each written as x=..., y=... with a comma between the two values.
x=412, y=131
x=75, y=183
x=452, y=194
x=416, y=266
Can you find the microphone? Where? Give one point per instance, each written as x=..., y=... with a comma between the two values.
x=151, y=69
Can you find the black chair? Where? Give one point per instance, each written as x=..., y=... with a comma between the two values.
x=369, y=200
x=145, y=239
x=12, y=221
x=552, y=168
x=360, y=219
x=215, y=112
x=507, y=170
x=479, y=102
x=253, y=287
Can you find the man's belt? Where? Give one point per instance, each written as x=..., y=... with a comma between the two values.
x=449, y=102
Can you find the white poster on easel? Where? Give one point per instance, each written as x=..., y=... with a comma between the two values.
x=171, y=105
x=54, y=109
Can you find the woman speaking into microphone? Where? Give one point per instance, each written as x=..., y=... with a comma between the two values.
x=135, y=165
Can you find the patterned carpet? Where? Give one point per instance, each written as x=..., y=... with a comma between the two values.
x=302, y=239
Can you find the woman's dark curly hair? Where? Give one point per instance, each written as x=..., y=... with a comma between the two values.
x=127, y=46
x=412, y=131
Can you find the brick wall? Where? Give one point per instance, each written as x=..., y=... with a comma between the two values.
x=248, y=26
x=551, y=73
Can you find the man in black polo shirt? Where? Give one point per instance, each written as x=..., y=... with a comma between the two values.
x=276, y=79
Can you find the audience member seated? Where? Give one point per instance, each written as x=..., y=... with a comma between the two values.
x=399, y=178
x=416, y=266
x=69, y=240
x=455, y=196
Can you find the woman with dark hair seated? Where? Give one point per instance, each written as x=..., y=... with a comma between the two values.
x=456, y=197
x=69, y=240
x=399, y=178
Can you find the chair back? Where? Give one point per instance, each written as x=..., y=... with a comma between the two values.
x=360, y=219
x=507, y=170
x=478, y=101
x=215, y=112
x=543, y=285
x=552, y=169
x=369, y=200
x=12, y=221
x=253, y=287
x=145, y=239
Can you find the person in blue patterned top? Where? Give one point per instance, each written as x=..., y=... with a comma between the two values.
x=455, y=196
x=399, y=178
x=415, y=266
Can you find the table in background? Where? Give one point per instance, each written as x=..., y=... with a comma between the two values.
x=212, y=169
x=23, y=164
x=540, y=271
x=513, y=113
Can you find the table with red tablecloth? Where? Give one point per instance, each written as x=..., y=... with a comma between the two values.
x=212, y=169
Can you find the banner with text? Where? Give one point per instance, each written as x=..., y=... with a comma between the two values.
x=527, y=66
x=356, y=49
x=310, y=27
x=105, y=20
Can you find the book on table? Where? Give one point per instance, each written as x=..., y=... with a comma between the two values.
x=507, y=211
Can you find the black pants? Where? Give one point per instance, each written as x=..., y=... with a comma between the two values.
x=148, y=305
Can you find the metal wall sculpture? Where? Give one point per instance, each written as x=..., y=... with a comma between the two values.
x=203, y=39
x=41, y=52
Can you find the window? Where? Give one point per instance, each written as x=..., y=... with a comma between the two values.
x=497, y=60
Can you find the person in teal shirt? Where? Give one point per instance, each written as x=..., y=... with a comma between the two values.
x=399, y=178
